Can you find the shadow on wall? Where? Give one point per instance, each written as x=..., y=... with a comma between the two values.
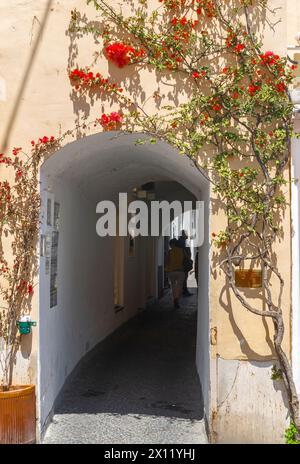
x=168, y=88
x=226, y=304
x=26, y=346
x=25, y=78
x=255, y=297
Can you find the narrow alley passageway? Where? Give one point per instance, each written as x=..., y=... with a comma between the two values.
x=139, y=386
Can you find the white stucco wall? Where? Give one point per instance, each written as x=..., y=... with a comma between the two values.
x=85, y=312
x=203, y=322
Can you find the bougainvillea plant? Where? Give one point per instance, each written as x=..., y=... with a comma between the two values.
x=83, y=79
x=19, y=214
x=122, y=54
x=235, y=125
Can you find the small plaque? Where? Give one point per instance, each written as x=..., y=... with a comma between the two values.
x=56, y=215
x=47, y=266
x=49, y=209
x=248, y=278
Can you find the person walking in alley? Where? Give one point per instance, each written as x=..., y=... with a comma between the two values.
x=175, y=270
x=188, y=263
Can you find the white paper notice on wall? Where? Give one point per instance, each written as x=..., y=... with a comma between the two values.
x=2, y=89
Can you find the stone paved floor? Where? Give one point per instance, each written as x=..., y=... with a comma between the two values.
x=140, y=386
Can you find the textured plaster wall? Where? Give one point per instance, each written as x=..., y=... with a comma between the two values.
x=251, y=406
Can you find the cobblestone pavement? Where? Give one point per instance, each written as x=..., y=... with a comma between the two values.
x=139, y=386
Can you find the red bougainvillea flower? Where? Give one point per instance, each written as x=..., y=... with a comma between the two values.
x=30, y=289
x=231, y=38
x=183, y=21
x=84, y=78
x=239, y=48
x=122, y=54
x=269, y=58
x=183, y=28
x=204, y=118
x=16, y=150
x=281, y=87
x=116, y=117
x=104, y=119
x=111, y=120
x=43, y=142
x=253, y=88
x=76, y=74
x=195, y=75
x=217, y=107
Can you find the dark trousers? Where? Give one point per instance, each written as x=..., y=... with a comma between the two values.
x=184, y=286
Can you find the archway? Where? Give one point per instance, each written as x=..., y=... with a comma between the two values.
x=77, y=272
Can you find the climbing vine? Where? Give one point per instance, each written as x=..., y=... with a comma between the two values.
x=234, y=124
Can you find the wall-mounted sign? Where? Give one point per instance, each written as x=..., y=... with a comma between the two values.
x=248, y=278
x=54, y=257
x=47, y=266
x=53, y=270
x=48, y=252
x=56, y=215
x=49, y=211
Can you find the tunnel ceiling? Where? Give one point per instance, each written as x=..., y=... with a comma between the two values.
x=105, y=164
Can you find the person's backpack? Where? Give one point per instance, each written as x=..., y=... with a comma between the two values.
x=188, y=263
